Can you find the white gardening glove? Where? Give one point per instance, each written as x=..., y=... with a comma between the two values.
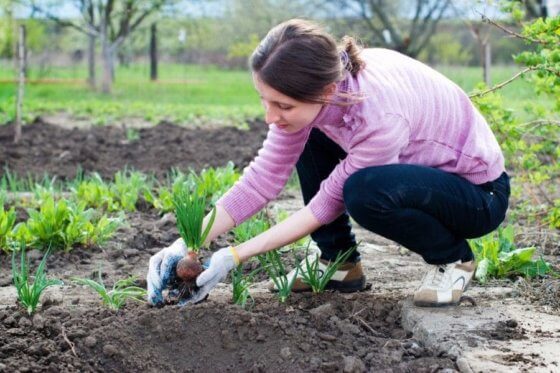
x=162, y=270
x=221, y=262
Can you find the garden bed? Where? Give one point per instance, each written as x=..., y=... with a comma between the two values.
x=72, y=331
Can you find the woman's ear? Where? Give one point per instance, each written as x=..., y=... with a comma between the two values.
x=329, y=90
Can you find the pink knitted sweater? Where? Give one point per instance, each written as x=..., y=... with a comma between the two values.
x=411, y=114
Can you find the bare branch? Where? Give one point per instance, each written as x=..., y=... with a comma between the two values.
x=510, y=32
x=504, y=83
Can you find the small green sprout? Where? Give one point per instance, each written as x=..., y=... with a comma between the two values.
x=272, y=264
x=317, y=278
x=122, y=291
x=241, y=284
x=29, y=293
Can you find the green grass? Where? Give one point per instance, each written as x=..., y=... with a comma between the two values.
x=192, y=94
x=184, y=94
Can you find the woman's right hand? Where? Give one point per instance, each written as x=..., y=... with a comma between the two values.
x=161, y=270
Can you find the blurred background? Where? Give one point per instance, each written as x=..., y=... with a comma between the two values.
x=186, y=60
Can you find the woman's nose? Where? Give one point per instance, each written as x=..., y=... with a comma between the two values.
x=271, y=115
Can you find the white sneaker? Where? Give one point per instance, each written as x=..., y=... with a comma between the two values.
x=444, y=284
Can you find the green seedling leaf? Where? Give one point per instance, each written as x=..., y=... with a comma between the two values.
x=28, y=292
x=116, y=297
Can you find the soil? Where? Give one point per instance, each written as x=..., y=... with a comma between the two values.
x=60, y=151
x=72, y=331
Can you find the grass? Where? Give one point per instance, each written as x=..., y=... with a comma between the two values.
x=193, y=94
x=185, y=93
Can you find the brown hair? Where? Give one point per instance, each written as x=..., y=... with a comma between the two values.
x=299, y=59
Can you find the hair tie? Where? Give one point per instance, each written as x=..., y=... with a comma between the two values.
x=344, y=58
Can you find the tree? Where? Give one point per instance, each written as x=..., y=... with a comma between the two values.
x=109, y=21
x=7, y=42
x=403, y=26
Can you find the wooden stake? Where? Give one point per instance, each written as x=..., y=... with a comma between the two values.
x=21, y=84
x=153, y=53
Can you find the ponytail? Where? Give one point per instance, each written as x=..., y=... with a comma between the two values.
x=350, y=55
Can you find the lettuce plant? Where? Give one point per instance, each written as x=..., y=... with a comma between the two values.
x=29, y=292
x=498, y=256
x=7, y=221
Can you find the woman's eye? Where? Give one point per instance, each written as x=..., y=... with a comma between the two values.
x=285, y=107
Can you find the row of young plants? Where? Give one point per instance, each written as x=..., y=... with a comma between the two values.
x=497, y=256
x=88, y=210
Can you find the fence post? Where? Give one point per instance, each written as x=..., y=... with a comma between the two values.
x=487, y=63
x=153, y=53
x=21, y=83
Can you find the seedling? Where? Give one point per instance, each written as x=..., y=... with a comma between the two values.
x=241, y=284
x=272, y=264
x=190, y=208
x=318, y=278
x=29, y=293
x=115, y=298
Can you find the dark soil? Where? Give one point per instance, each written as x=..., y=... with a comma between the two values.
x=311, y=333
x=330, y=332
x=47, y=148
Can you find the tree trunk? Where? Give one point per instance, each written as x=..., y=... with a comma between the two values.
x=153, y=53
x=91, y=61
x=21, y=84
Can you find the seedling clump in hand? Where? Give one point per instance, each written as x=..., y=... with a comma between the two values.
x=190, y=208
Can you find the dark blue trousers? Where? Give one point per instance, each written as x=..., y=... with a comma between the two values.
x=426, y=210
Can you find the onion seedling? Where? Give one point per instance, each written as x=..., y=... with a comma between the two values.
x=190, y=208
x=241, y=284
x=29, y=293
x=272, y=264
x=318, y=278
x=122, y=291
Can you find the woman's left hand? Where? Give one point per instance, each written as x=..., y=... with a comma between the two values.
x=221, y=262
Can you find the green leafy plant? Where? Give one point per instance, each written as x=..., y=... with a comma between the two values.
x=127, y=187
x=190, y=209
x=7, y=221
x=316, y=278
x=251, y=228
x=115, y=298
x=95, y=193
x=60, y=225
x=29, y=292
x=498, y=257
x=272, y=263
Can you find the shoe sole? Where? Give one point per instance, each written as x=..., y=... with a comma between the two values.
x=428, y=304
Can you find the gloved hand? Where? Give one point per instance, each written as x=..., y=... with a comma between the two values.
x=162, y=270
x=221, y=262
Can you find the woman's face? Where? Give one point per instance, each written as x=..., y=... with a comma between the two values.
x=286, y=113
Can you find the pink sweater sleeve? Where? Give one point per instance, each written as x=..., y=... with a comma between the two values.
x=367, y=148
x=266, y=175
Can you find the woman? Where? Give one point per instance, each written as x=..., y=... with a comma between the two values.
x=374, y=135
